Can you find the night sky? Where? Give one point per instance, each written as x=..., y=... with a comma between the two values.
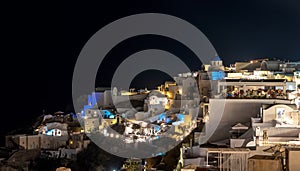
x=41, y=43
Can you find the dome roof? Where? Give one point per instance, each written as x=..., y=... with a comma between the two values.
x=216, y=58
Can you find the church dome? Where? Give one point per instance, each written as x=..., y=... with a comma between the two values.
x=216, y=58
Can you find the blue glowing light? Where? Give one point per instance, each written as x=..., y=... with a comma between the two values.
x=217, y=75
x=161, y=154
x=93, y=98
x=90, y=100
x=107, y=114
x=51, y=132
x=162, y=116
x=180, y=117
x=96, y=97
x=168, y=120
x=73, y=115
x=216, y=58
x=54, y=132
x=157, y=128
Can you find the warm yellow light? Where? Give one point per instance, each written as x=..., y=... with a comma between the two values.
x=180, y=91
x=169, y=95
x=167, y=106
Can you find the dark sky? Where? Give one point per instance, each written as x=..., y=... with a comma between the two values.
x=41, y=42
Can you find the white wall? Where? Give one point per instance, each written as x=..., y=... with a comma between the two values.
x=224, y=113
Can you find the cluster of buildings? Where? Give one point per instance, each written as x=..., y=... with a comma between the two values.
x=145, y=123
x=248, y=111
x=228, y=103
x=57, y=136
x=248, y=105
x=251, y=111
